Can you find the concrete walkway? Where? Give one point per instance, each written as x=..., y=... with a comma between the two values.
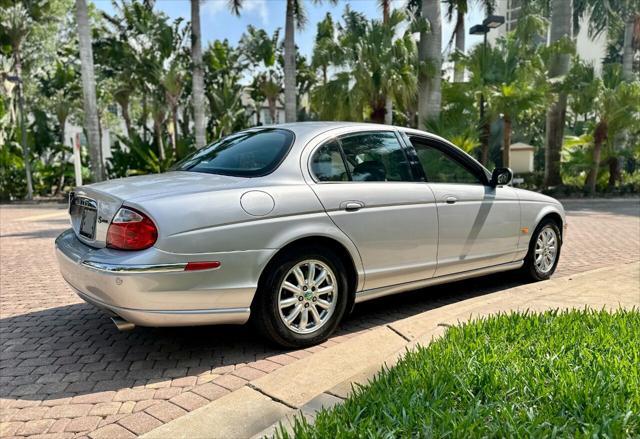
x=325, y=378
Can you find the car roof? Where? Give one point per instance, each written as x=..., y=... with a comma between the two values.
x=318, y=127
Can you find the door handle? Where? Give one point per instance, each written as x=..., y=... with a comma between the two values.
x=351, y=206
x=451, y=200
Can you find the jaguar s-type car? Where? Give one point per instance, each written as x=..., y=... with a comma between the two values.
x=291, y=225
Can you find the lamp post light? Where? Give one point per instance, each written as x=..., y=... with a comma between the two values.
x=25, y=148
x=491, y=22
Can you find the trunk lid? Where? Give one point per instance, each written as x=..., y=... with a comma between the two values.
x=93, y=207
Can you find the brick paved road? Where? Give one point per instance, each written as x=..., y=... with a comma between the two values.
x=65, y=371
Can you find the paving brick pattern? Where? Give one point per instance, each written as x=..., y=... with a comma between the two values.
x=65, y=371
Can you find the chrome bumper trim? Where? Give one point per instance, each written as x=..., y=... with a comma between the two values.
x=119, y=268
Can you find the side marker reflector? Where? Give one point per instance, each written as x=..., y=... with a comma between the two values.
x=195, y=266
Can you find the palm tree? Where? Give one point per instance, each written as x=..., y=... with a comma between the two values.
x=430, y=56
x=262, y=52
x=512, y=79
x=92, y=126
x=616, y=111
x=325, y=49
x=372, y=66
x=615, y=17
x=460, y=8
x=561, y=29
x=16, y=24
x=197, y=78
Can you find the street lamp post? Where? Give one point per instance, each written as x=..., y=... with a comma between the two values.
x=25, y=148
x=491, y=22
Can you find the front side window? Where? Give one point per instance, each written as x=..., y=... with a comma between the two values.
x=375, y=156
x=327, y=163
x=441, y=168
x=245, y=154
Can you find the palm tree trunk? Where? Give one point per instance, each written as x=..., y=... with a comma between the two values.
x=430, y=53
x=614, y=171
x=388, y=111
x=157, y=129
x=378, y=111
x=599, y=135
x=486, y=134
x=458, y=69
x=290, y=64
x=144, y=116
x=273, y=109
x=89, y=91
x=174, y=132
x=506, y=141
x=23, y=123
x=124, y=106
x=628, y=50
x=561, y=27
x=197, y=93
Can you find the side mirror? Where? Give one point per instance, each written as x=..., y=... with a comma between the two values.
x=501, y=177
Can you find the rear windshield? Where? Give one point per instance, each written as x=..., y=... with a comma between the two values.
x=246, y=154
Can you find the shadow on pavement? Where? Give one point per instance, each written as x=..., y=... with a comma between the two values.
x=75, y=349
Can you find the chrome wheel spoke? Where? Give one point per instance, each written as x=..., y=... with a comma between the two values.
x=321, y=277
x=291, y=287
x=292, y=316
x=311, y=274
x=325, y=290
x=285, y=303
x=297, y=272
x=315, y=314
x=323, y=304
x=304, y=319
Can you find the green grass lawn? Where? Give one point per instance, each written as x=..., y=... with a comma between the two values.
x=520, y=375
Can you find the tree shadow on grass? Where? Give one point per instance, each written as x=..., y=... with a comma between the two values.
x=76, y=350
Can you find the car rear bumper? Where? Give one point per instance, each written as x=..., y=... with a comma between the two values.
x=152, y=288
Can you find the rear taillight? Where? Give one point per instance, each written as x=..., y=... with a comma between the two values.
x=131, y=230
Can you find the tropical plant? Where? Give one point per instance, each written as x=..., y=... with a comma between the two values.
x=261, y=52
x=510, y=75
x=16, y=23
x=456, y=10
x=372, y=66
x=615, y=17
x=614, y=110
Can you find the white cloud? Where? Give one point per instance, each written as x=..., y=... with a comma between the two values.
x=259, y=7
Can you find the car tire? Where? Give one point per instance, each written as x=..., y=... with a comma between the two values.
x=277, y=301
x=539, y=247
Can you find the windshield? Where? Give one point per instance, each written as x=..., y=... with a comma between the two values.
x=246, y=154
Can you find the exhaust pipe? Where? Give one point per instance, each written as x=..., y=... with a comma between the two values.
x=122, y=324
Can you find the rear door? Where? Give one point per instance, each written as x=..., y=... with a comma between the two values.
x=479, y=225
x=366, y=185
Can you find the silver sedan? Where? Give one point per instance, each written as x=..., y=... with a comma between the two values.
x=293, y=224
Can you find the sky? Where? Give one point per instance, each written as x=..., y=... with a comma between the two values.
x=217, y=22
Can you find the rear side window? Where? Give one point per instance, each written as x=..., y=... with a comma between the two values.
x=245, y=154
x=375, y=156
x=327, y=163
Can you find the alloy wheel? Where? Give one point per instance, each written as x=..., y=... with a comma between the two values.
x=308, y=296
x=546, y=250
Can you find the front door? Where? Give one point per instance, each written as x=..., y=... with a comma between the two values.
x=479, y=225
x=366, y=186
